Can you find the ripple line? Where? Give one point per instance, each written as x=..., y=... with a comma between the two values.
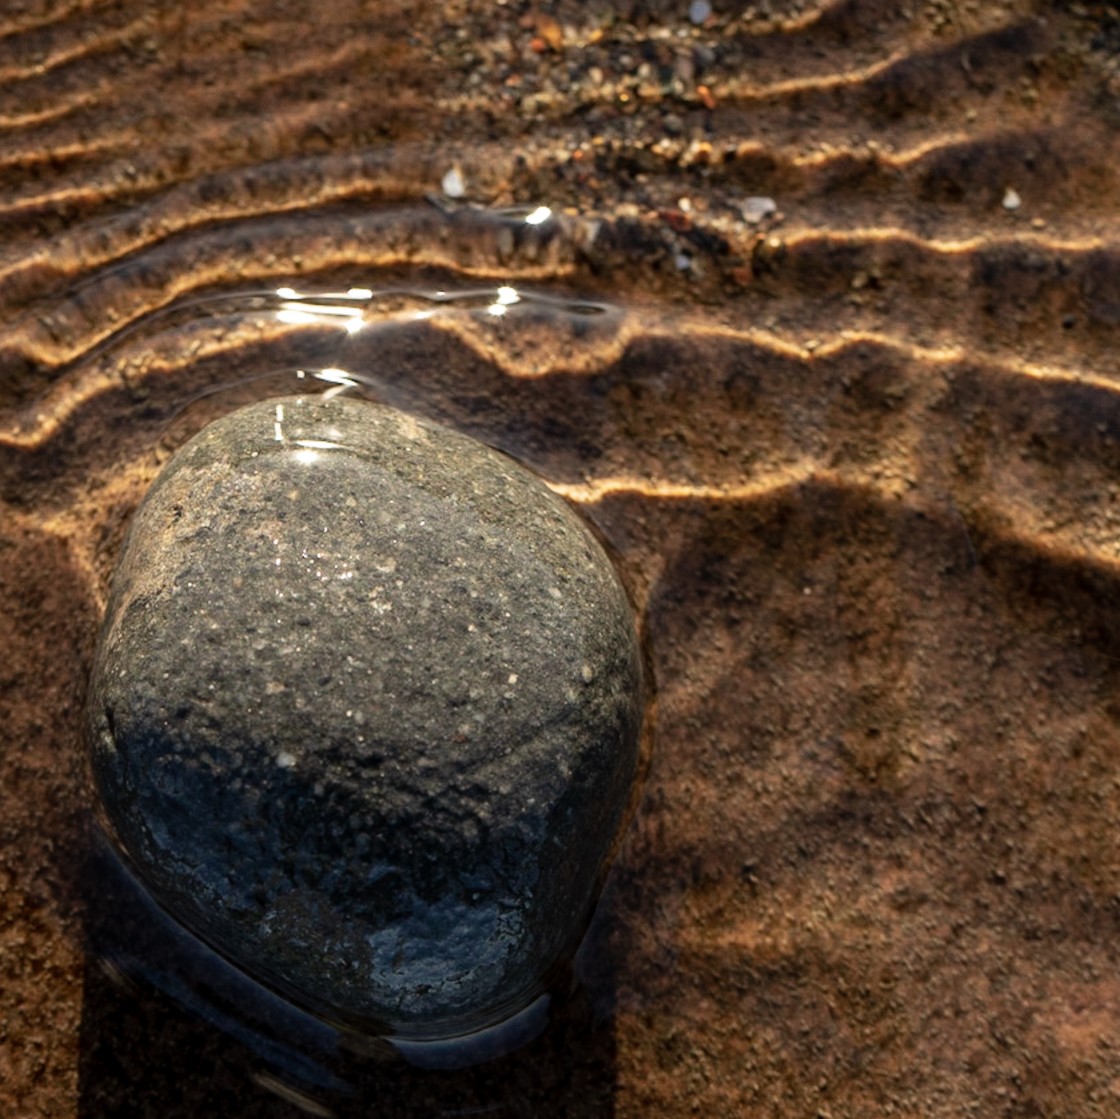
x=597, y=490
x=14, y=121
x=1009, y=40
x=1001, y=522
x=105, y=41
x=945, y=246
x=80, y=151
x=16, y=28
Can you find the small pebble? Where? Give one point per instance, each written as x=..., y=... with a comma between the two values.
x=672, y=124
x=452, y=183
x=703, y=58
x=757, y=209
x=1011, y=199
x=699, y=11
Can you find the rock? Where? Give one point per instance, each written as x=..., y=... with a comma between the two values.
x=365, y=712
x=758, y=208
x=452, y=184
x=699, y=12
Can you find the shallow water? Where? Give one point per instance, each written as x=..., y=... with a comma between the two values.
x=858, y=462
x=818, y=543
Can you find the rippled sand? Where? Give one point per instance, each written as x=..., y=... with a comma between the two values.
x=860, y=461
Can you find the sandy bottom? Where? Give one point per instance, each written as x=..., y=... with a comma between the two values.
x=857, y=451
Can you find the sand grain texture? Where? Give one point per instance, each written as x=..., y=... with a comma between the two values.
x=860, y=462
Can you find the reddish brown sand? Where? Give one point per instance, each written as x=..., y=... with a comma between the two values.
x=860, y=462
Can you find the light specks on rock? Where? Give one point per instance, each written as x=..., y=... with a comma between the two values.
x=367, y=718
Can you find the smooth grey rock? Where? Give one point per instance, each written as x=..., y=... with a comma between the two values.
x=365, y=711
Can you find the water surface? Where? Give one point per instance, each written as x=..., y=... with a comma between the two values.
x=857, y=459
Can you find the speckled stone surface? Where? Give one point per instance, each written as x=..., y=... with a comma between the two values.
x=365, y=711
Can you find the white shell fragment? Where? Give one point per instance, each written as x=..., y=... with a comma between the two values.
x=757, y=208
x=452, y=183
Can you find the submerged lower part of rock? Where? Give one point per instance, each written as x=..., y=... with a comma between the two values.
x=142, y=947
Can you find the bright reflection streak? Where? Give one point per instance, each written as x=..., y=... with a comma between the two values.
x=539, y=216
x=318, y=444
x=309, y=314
x=323, y=309
x=350, y=293
x=336, y=376
x=306, y=455
x=296, y=318
x=506, y=297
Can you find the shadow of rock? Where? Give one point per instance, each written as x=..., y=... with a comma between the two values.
x=170, y=1029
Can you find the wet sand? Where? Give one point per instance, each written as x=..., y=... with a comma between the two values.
x=859, y=459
